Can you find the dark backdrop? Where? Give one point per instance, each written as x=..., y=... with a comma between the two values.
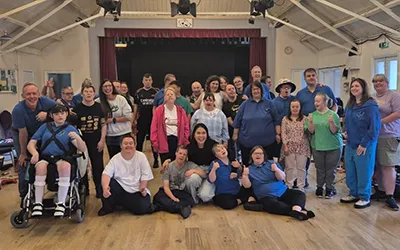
x=188, y=59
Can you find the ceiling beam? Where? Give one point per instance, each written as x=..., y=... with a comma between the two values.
x=78, y=9
x=362, y=18
x=286, y=9
x=51, y=34
x=334, y=30
x=311, y=34
x=32, y=26
x=23, y=7
x=37, y=30
x=386, y=9
x=347, y=21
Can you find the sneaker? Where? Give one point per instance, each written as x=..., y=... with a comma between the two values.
x=37, y=209
x=349, y=199
x=60, y=210
x=329, y=194
x=362, y=204
x=319, y=192
x=391, y=202
x=186, y=211
x=378, y=195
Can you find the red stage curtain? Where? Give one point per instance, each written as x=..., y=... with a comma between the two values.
x=183, y=33
x=258, y=56
x=108, y=59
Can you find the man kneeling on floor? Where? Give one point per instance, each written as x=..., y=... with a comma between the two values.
x=125, y=179
x=180, y=178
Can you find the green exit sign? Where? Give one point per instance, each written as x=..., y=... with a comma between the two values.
x=384, y=45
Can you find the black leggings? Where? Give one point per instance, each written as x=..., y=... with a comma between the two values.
x=135, y=203
x=172, y=146
x=96, y=159
x=283, y=205
x=229, y=201
x=143, y=129
x=166, y=204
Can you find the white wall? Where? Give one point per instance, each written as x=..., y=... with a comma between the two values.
x=70, y=55
x=27, y=59
x=301, y=57
x=98, y=31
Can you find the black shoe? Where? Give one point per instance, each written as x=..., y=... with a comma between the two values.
x=378, y=195
x=253, y=206
x=154, y=208
x=103, y=212
x=329, y=194
x=310, y=213
x=319, y=192
x=155, y=165
x=298, y=215
x=391, y=202
x=186, y=211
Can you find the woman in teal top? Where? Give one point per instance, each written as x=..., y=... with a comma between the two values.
x=326, y=143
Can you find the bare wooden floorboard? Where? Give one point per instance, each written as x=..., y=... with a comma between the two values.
x=337, y=226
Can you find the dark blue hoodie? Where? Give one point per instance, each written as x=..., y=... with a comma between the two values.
x=363, y=124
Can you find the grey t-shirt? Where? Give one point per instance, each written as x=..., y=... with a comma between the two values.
x=176, y=175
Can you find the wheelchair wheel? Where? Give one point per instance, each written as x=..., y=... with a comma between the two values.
x=80, y=215
x=16, y=220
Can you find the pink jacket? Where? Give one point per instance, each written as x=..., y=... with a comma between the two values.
x=158, y=132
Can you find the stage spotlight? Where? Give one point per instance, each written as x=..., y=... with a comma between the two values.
x=111, y=6
x=258, y=7
x=183, y=7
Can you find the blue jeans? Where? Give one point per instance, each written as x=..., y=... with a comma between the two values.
x=359, y=171
x=22, y=182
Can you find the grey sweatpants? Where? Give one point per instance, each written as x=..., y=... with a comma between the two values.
x=326, y=163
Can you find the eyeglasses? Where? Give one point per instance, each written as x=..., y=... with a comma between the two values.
x=68, y=93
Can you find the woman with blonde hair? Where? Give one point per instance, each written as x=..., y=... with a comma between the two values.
x=388, y=149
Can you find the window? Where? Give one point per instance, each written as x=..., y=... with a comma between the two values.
x=389, y=67
x=331, y=77
x=61, y=80
x=298, y=78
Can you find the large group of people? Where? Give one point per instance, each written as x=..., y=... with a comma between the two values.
x=228, y=144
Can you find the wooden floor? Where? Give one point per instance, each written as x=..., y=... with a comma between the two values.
x=337, y=226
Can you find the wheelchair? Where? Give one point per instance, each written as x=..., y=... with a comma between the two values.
x=76, y=198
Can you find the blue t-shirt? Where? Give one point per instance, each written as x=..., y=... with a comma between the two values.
x=43, y=134
x=282, y=105
x=223, y=183
x=306, y=98
x=159, y=98
x=266, y=94
x=264, y=182
x=256, y=122
x=24, y=117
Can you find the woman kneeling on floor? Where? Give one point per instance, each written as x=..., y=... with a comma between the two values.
x=266, y=178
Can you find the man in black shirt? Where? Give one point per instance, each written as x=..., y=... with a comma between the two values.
x=143, y=111
x=230, y=109
x=91, y=122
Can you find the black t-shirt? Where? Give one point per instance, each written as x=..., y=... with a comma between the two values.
x=89, y=119
x=145, y=100
x=230, y=109
x=202, y=156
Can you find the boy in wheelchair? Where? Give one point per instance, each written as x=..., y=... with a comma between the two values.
x=57, y=141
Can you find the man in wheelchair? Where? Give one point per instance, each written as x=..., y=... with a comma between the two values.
x=57, y=140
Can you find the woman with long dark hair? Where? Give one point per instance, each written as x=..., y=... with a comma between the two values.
x=362, y=126
x=118, y=115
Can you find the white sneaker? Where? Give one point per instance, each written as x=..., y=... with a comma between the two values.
x=349, y=199
x=37, y=209
x=60, y=210
x=362, y=204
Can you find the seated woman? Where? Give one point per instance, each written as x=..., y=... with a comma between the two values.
x=266, y=178
x=55, y=138
x=125, y=180
x=228, y=192
x=175, y=196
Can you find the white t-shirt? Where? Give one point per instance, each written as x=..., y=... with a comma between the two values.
x=171, y=120
x=219, y=100
x=120, y=108
x=129, y=173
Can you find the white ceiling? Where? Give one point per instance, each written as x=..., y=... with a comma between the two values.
x=356, y=31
